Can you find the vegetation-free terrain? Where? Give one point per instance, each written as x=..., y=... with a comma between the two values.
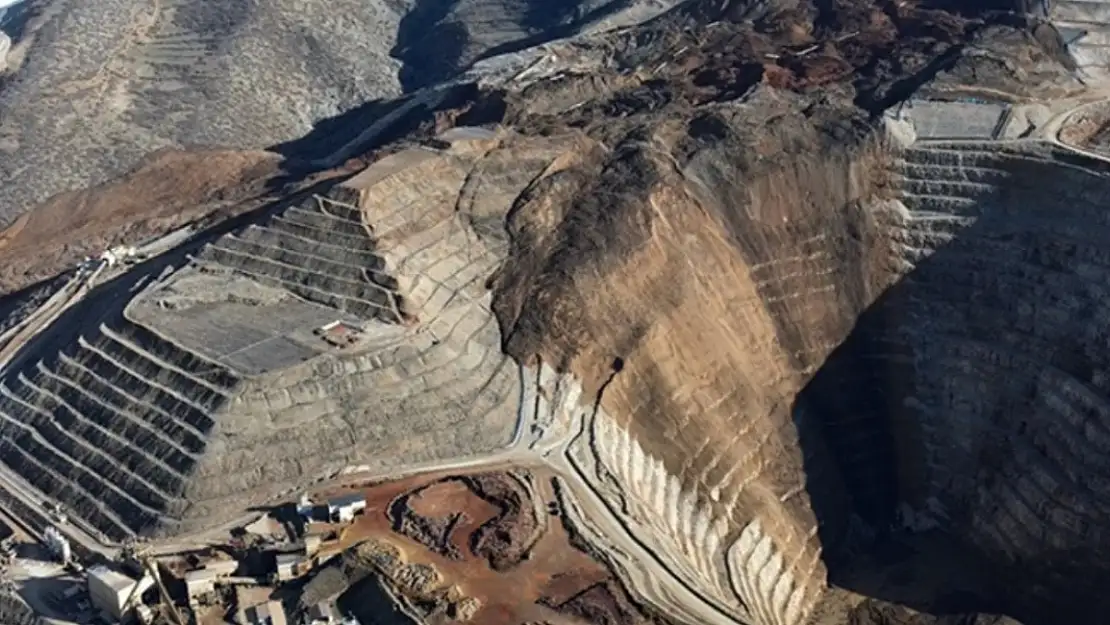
x=774, y=313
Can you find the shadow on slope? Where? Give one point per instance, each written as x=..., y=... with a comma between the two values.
x=950, y=389
x=438, y=38
x=375, y=124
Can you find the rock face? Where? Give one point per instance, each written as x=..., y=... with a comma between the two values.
x=775, y=334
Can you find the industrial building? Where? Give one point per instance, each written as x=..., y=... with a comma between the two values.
x=287, y=566
x=270, y=613
x=200, y=582
x=339, y=334
x=114, y=592
x=343, y=509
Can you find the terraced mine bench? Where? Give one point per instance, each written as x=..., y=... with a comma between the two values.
x=211, y=390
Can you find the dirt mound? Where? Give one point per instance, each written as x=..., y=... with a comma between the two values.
x=169, y=189
x=509, y=526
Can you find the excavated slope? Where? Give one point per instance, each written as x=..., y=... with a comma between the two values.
x=707, y=311
x=760, y=390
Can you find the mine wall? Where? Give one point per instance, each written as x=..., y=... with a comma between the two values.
x=112, y=426
x=985, y=367
x=723, y=496
x=430, y=384
x=175, y=414
x=901, y=339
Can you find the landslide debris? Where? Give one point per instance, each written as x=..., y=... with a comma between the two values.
x=728, y=219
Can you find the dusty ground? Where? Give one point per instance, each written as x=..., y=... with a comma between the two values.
x=169, y=189
x=480, y=535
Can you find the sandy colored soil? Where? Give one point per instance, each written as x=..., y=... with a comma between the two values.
x=491, y=541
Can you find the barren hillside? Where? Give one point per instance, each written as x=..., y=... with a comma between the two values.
x=800, y=304
x=91, y=89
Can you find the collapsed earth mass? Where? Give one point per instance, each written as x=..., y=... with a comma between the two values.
x=729, y=312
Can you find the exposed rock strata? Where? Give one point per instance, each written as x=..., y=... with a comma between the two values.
x=784, y=336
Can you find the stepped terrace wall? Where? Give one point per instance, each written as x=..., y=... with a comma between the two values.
x=111, y=426
x=433, y=389
x=690, y=289
x=983, y=371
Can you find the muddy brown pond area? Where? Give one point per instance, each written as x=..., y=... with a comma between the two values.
x=484, y=547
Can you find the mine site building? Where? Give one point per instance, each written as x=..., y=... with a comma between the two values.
x=200, y=582
x=114, y=592
x=343, y=509
x=339, y=333
x=221, y=567
x=270, y=613
x=287, y=566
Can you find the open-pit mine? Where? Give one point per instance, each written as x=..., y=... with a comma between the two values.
x=749, y=313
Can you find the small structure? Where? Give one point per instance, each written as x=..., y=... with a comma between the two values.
x=222, y=567
x=287, y=566
x=145, y=614
x=57, y=544
x=343, y=509
x=200, y=582
x=312, y=543
x=270, y=613
x=114, y=592
x=117, y=254
x=339, y=334
x=322, y=613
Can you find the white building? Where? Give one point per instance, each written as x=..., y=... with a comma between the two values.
x=222, y=568
x=114, y=592
x=270, y=613
x=343, y=509
x=287, y=566
x=200, y=582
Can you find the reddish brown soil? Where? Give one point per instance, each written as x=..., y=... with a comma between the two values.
x=505, y=539
x=169, y=189
x=522, y=569
x=604, y=603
